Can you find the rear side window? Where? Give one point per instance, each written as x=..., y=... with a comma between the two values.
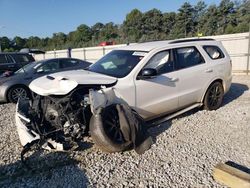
x=10, y=59
x=66, y=63
x=23, y=58
x=188, y=57
x=50, y=66
x=214, y=52
x=3, y=59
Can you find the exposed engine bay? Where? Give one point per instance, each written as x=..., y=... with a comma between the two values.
x=63, y=119
x=60, y=122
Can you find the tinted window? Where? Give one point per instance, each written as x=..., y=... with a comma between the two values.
x=10, y=59
x=214, y=52
x=50, y=66
x=117, y=63
x=2, y=59
x=188, y=57
x=22, y=58
x=162, y=62
x=66, y=63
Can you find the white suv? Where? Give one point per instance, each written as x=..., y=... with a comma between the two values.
x=155, y=79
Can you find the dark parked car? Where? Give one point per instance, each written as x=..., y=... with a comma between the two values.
x=14, y=85
x=12, y=61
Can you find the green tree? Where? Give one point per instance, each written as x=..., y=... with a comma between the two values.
x=226, y=15
x=19, y=42
x=82, y=35
x=96, y=29
x=151, y=25
x=131, y=28
x=243, y=17
x=184, y=26
x=199, y=11
x=33, y=42
x=58, y=40
x=5, y=43
x=210, y=21
x=168, y=22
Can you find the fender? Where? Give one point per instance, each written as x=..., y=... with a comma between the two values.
x=208, y=85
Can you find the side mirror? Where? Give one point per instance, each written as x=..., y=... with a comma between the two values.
x=147, y=73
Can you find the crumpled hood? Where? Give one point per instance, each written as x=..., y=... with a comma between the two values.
x=63, y=82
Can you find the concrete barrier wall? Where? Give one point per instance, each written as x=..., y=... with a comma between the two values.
x=237, y=45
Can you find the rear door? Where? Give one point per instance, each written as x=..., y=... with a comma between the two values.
x=192, y=75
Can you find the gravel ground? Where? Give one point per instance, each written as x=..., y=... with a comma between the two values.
x=184, y=153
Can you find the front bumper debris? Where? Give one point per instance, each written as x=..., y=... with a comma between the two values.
x=27, y=135
x=60, y=123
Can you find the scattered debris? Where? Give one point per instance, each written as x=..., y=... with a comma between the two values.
x=59, y=123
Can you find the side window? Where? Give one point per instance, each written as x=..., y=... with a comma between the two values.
x=3, y=59
x=214, y=52
x=188, y=57
x=162, y=62
x=50, y=66
x=10, y=59
x=20, y=58
x=66, y=63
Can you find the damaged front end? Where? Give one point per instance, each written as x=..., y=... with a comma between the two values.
x=61, y=122
x=57, y=121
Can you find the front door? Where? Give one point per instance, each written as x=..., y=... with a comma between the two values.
x=157, y=96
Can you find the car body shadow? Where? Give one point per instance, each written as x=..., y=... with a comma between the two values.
x=236, y=90
x=159, y=129
x=54, y=169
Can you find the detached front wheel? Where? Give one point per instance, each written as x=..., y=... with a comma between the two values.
x=106, y=132
x=214, y=96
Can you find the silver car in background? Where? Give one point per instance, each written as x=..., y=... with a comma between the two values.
x=15, y=85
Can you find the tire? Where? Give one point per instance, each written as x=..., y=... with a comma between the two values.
x=214, y=96
x=103, y=134
x=16, y=92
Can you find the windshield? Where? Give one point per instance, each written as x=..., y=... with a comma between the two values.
x=117, y=63
x=29, y=67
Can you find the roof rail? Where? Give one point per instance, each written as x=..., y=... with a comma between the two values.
x=189, y=40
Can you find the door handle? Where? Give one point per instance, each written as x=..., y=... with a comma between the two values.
x=209, y=70
x=174, y=79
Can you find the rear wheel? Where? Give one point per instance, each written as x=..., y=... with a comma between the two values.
x=214, y=96
x=106, y=132
x=17, y=92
